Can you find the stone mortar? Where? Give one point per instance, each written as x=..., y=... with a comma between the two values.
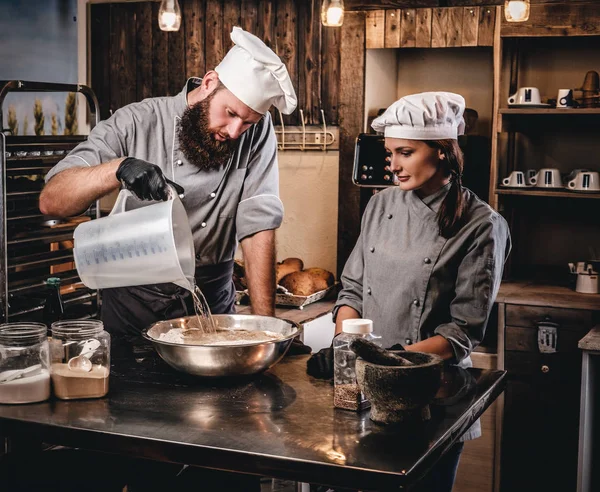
x=400, y=393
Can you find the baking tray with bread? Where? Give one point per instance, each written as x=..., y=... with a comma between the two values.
x=296, y=286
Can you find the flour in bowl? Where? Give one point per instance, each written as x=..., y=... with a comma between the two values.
x=220, y=337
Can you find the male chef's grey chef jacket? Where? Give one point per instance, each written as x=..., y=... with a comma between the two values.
x=414, y=283
x=223, y=205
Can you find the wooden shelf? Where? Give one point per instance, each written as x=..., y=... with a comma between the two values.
x=552, y=111
x=533, y=293
x=553, y=193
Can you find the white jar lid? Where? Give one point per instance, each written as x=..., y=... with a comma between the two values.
x=359, y=326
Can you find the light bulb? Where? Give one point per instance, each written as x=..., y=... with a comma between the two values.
x=169, y=15
x=332, y=13
x=516, y=10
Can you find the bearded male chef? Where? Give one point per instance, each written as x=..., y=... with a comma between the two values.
x=215, y=139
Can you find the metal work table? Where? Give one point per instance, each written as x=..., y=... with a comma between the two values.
x=279, y=424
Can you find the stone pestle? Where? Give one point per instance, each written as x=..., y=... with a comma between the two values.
x=376, y=355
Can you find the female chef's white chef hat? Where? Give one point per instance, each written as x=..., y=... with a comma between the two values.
x=424, y=116
x=256, y=75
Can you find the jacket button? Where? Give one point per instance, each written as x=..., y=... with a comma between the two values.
x=369, y=291
x=416, y=302
x=203, y=224
x=179, y=162
x=427, y=261
x=212, y=195
x=408, y=341
x=198, y=256
x=390, y=216
x=372, y=249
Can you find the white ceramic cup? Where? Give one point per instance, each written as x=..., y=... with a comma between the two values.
x=587, y=283
x=526, y=95
x=547, y=178
x=585, y=181
x=516, y=179
x=564, y=98
x=530, y=173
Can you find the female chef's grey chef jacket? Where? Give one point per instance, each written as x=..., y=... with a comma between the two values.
x=413, y=283
x=223, y=205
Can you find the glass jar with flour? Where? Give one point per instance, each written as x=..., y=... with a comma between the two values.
x=80, y=353
x=24, y=363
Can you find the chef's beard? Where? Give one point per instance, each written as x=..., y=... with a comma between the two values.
x=197, y=141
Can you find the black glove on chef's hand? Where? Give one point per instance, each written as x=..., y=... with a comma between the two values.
x=320, y=365
x=146, y=180
x=396, y=346
x=298, y=348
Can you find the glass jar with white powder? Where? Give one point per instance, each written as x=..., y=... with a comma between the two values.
x=24, y=363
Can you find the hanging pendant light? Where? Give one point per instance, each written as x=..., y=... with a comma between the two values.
x=516, y=10
x=332, y=13
x=169, y=15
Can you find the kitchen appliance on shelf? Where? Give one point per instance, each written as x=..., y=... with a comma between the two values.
x=34, y=247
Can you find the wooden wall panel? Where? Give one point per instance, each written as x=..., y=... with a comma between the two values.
x=309, y=60
x=487, y=21
x=231, y=18
x=160, y=57
x=455, y=27
x=214, y=33
x=143, y=43
x=423, y=22
x=194, y=12
x=330, y=60
x=439, y=28
x=100, y=56
x=375, y=29
x=470, y=26
x=122, y=55
x=408, y=32
x=133, y=59
x=286, y=36
x=393, y=22
x=352, y=91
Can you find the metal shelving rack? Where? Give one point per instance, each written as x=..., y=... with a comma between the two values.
x=26, y=255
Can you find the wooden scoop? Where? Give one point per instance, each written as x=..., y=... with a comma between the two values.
x=376, y=355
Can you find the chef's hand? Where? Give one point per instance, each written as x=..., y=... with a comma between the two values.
x=396, y=346
x=298, y=348
x=320, y=365
x=146, y=180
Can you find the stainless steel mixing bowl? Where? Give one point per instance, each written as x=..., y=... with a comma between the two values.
x=225, y=360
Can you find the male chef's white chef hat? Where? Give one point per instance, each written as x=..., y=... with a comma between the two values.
x=424, y=116
x=256, y=75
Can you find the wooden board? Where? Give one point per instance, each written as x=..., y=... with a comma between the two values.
x=122, y=55
x=393, y=23
x=100, y=56
x=487, y=25
x=375, y=29
x=231, y=18
x=565, y=19
x=330, y=75
x=455, y=27
x=408, y=29
x=470, y=26
x=214, y=33
x=286, y=34
x=176, y=73
x=309, y=62
x=194, y=18
x=160, y=57
x=249, y=13
x=439, y=28
x=423, y=23
x=351, y=93
x=143, y=58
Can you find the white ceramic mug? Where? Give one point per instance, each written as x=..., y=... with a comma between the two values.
x=585, y=181
x=526, y=95
x=547, y=178
x=516, y=179
x=564, y=98
x=530, y=173
x=587, y=283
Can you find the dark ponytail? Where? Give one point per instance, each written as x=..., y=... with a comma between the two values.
x=452, y=210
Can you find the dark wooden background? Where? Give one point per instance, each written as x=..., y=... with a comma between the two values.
x=131, y=58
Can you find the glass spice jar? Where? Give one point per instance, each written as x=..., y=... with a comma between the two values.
x=80, y=353
x=24, y=363
x=346, y=392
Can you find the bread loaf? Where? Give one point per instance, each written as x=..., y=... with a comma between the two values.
x=299, y=283
x=322, y=278
x=287, y=266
